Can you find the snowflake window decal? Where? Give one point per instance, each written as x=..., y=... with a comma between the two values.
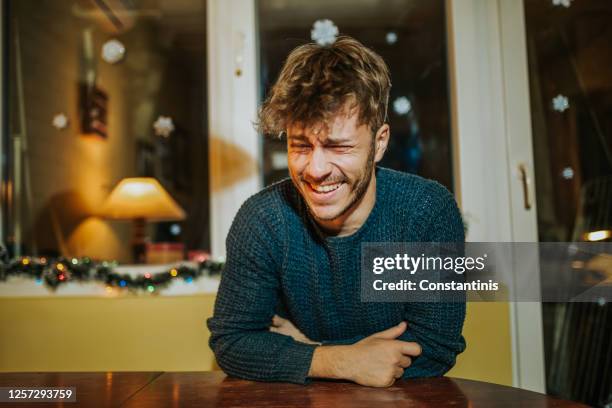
x=324, y=32
x=402, y=105
x=560, y=103
x=163, y=126
x=60, y=121
x=391, y=37
x=564, y=3
x=113, y=51
x=567, y=173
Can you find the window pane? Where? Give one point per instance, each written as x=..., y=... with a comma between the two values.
x=98, y=94
x=571, y=99
x=410, y=35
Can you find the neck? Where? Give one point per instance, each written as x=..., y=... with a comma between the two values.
x=349, y=222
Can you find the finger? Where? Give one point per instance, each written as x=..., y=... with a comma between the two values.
x=278, y=321
x=399, y=372
x=274, y=329
x=392, y=332
x=405, y=361
x=411, y=348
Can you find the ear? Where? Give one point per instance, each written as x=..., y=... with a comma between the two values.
x=381, y=139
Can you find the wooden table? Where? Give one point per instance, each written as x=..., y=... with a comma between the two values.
x=214, y=389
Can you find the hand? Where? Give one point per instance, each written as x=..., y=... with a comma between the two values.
x=376, y=361
x=284, y=326
x=381, y=358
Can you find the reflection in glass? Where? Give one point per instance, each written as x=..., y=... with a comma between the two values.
x=571, y=101
x=99, y=92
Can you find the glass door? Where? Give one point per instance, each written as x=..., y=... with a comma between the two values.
x=570, y=82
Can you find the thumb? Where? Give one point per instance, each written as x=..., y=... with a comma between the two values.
x=278, y=321
x=391, y=333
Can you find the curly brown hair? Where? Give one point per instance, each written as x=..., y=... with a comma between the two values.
x=317, y=82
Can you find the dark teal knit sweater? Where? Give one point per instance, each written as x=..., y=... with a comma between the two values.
x=279, y=262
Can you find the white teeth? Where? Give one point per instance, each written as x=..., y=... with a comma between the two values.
x=327, y=188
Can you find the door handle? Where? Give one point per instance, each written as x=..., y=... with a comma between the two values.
x=525, y=182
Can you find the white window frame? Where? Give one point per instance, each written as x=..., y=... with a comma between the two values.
x=492, y=137
x=232, y=108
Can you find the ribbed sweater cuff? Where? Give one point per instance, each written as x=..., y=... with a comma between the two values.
x=425, y=367
x=296, y=362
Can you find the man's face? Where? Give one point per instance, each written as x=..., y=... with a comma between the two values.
x=332, y=166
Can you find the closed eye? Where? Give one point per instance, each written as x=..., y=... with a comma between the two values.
x=340, y=148
x=299, y=146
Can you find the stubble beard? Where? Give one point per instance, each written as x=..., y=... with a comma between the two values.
x=361, y=186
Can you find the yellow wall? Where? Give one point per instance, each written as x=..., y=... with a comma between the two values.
x=488, y=356
x=145, y=333
x=156, y=333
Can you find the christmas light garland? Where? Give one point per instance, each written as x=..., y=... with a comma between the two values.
x=59, y=271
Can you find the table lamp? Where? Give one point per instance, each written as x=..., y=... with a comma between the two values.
x=141, y=199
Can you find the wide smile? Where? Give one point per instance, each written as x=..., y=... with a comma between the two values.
x=323, y=192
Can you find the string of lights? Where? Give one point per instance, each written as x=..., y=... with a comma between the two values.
x=59, y=271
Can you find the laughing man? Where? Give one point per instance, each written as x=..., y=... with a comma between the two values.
x=288, y=307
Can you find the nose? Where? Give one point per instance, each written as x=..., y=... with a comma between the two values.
x=319, y=167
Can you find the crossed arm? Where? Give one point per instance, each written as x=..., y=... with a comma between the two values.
x=245, y=346
x=377, y=360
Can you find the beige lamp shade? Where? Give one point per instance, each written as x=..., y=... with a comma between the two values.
x=141, y=197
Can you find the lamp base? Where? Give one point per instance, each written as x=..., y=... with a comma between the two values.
x=139, y=244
